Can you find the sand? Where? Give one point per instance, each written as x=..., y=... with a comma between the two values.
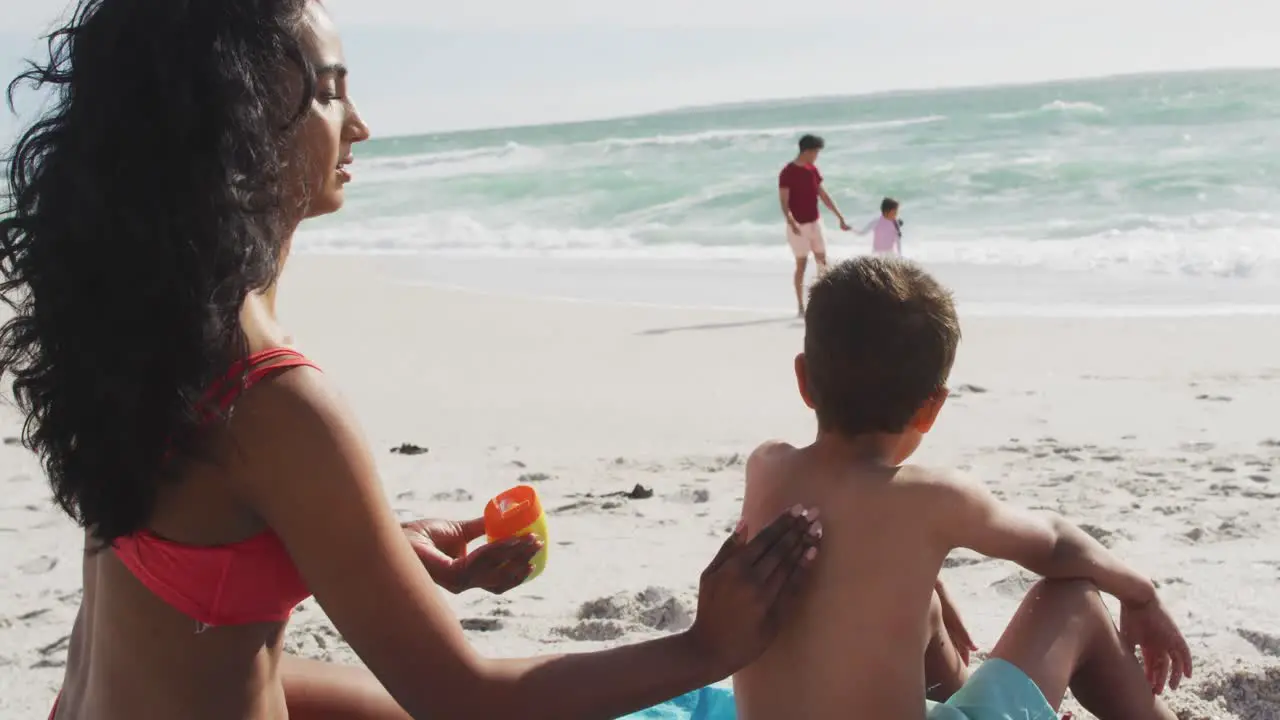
x=1158, y=434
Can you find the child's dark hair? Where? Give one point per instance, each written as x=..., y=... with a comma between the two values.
x=811, y=142
x=880, y=338
x=888, y=205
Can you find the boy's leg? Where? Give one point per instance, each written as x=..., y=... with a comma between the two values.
x=1063, y=636
x=944, y=670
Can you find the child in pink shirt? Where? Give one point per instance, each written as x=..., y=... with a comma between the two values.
x=887, y=231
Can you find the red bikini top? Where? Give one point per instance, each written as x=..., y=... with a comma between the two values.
x=250, y=581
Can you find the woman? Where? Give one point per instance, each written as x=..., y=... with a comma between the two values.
x=152, y=212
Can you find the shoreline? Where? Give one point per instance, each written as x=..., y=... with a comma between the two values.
x=763, y=287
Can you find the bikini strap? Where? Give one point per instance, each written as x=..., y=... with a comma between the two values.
x=260, y=365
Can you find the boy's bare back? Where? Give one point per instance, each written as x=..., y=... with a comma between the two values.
x=855, y=647
x=880, y=339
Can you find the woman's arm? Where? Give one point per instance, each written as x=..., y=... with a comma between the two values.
x=302, y=465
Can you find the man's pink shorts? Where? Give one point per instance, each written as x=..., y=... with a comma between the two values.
x=808, y=240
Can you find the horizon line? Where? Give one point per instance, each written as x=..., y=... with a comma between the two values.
x=960, y=87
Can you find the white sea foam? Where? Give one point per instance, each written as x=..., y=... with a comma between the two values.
x=1104, y=178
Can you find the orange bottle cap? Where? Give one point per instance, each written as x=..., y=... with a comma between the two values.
x=511, y=511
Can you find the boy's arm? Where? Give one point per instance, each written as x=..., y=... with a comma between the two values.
x=831, y=205
x=1044, y=543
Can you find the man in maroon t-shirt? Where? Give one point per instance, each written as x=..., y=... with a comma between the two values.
x=799, y=190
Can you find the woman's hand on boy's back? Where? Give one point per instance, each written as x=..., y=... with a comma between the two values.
x=748, y=589
x=497, y=567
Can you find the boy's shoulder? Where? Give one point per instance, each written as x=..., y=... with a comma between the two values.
x=765, y=460
x=770, y=450
x=944, y=483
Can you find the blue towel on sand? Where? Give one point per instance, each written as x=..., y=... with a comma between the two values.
x=709, y=703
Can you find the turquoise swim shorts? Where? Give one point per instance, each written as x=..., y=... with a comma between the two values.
x=997, y=690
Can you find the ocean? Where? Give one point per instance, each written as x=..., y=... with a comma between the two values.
x=1157, y=193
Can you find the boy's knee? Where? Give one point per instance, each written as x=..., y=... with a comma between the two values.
x=1079, y=597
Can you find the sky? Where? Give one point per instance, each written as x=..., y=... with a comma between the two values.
x=425, y=65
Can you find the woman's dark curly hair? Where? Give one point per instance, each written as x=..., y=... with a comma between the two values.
x=142, y=209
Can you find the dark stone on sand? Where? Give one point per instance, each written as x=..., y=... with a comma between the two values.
x=12, y=441
x=975, y=389
x=640, y=492
x=528, y=478
x=409, y=449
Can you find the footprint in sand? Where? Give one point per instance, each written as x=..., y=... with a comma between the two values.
x=592, y=631
x=1015, y=585
x=612, y=617
x=691, y=496
x=1266, y=643
x=28, y=616
x=1260, y=495
x=315, y=640
x=656, y=608
x=53, y=655
x=457, y=496
x=39, y=566
x=958, y=562
x=734, y=460
x=488, y=624
x=1108, y=538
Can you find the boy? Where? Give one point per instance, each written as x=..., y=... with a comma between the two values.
x=887, y=237
x=799, y=190
x=880, y=338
